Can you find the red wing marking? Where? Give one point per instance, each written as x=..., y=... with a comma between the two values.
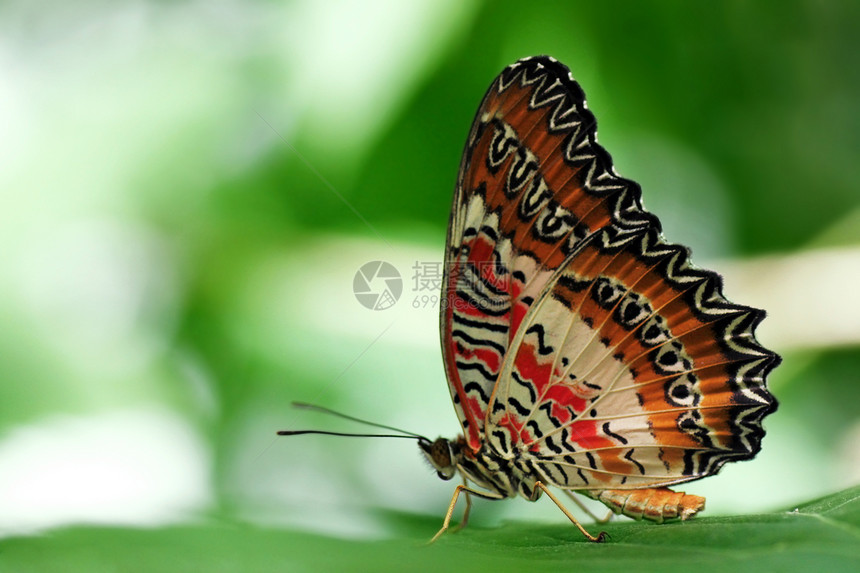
x=607, y=360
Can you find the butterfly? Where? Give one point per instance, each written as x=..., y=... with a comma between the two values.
x=582, y=350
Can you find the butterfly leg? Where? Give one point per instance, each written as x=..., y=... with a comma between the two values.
x=465, y=520
x=655, y=504
x=457, y=490
x=585, y=509
x=600, y=538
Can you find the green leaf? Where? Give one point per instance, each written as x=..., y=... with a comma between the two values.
x=822, y=535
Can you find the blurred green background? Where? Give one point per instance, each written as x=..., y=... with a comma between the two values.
x=189, y=189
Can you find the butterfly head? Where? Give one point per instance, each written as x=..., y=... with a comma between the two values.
x=442, y=455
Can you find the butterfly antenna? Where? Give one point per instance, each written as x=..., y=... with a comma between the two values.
x=306, y=406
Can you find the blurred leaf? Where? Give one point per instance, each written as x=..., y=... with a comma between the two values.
x=824, y=534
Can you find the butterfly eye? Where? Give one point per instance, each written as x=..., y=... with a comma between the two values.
x=445, y=476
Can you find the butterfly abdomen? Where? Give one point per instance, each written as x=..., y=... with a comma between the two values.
x=658, y=505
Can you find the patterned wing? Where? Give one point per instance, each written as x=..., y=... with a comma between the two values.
x=632, y=370
x=533, y=186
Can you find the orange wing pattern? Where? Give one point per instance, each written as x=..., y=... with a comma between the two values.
x=533, y=184
x=632, y=371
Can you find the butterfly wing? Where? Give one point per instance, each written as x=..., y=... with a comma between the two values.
x=533, y=186
x=574, y=333
x=632, y=370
